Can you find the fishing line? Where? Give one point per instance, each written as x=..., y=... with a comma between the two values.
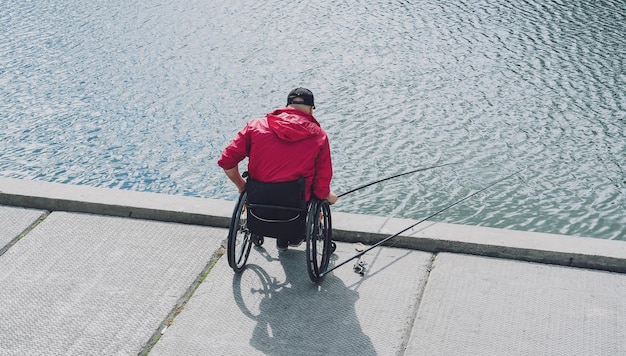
x=394, y=176
x=364, y=251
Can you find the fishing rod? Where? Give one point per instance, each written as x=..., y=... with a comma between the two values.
x=394, y=176
x=364, y=251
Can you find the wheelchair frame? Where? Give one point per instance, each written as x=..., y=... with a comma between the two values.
x=319, y=244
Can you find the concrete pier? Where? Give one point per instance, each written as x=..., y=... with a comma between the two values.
x=107, y=272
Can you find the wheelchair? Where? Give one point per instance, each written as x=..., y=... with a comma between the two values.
x=280, y=210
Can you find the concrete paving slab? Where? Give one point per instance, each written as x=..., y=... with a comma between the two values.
x=13, y=221
x=272, y=308
x=485, y=306
x=82, y=284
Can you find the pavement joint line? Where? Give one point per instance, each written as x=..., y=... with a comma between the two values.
x=182, y=301
x=418, y=303
x=26, y=231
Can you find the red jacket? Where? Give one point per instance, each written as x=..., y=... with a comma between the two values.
x=283, y=146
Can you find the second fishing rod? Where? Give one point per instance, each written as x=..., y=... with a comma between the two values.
x=363, y=251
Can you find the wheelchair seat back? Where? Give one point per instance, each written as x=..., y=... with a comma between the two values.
x=276, y=209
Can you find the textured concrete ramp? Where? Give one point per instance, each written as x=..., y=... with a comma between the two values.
x=13, y=221
x=483, y=306
x=272, y=308
x=81, y=284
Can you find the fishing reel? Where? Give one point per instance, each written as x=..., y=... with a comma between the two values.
x=359, y=266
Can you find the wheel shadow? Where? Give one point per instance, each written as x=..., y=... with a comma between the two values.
x=296, y=316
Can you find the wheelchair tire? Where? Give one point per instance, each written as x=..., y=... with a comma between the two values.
x=318, y=239
x=239, y=237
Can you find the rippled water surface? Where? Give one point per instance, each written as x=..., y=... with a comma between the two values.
x=144, y=95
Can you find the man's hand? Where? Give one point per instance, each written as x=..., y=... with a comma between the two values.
x=235, y=177
x=332, y=198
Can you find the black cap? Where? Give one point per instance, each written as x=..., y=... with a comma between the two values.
x=305, y=97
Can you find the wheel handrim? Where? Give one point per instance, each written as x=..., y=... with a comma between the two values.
x=318, y=240
x=239, y=239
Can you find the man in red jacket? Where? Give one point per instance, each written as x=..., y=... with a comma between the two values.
x=285, y=145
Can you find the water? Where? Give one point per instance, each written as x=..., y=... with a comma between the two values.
x=144, y=96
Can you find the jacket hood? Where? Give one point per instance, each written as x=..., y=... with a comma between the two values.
x=292, y=125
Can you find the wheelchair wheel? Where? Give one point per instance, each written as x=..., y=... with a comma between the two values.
x=318, y=239
x=239, y=237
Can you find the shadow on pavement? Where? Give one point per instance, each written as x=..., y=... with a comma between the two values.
x=295, y=316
